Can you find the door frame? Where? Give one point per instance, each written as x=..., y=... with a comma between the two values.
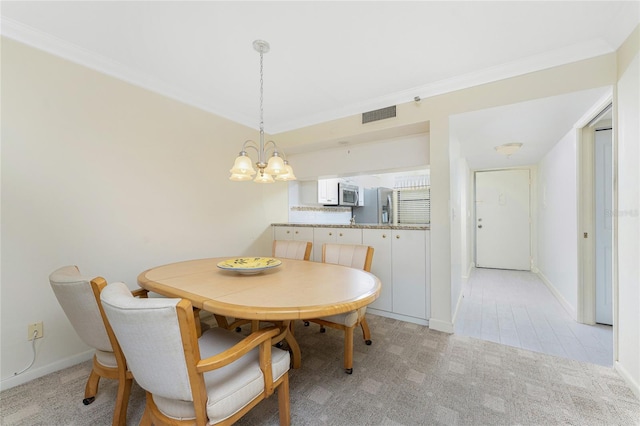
x=585, y=149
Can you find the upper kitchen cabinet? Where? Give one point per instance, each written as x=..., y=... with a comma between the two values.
x=328, y=191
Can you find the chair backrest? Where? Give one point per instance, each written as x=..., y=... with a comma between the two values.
x=352, y=255
x=78, y=302
x=290, y=249
x=150, y=336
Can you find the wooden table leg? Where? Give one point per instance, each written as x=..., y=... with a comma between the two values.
x=293, y=345
x=222, y=321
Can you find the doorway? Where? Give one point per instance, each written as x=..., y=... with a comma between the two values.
x=596, y=200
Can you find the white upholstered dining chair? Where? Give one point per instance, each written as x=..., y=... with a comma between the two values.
x=211, y=380
x=353, y=256
x=78, y=301
x=291, y=249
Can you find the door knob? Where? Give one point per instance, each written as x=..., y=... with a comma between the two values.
x=479, y=226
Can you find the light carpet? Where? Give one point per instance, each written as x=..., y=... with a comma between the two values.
x=411, y=375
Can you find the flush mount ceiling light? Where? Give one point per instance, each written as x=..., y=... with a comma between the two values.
x=276, y=167
x=508, y=149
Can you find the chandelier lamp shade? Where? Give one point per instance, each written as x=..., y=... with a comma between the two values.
x=276, y=167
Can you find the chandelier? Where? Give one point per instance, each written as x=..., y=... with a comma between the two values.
x=276, y=166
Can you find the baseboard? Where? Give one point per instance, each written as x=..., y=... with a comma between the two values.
x=469, y=269
x=30, y=375
x=445, y=327
x=406, y=318
x=566, y=305
x=458, y=303
x=635, y=387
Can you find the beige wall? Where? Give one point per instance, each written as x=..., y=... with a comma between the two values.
x=587, y=74
x=114, y=179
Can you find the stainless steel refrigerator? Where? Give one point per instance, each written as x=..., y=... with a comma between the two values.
x=378, y=206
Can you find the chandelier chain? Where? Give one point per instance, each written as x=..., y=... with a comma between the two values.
x=261, y=96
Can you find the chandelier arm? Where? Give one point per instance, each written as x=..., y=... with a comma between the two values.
x=271, y=145
x=251, y=144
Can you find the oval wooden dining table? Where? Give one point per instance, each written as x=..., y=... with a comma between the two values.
x=294, y=290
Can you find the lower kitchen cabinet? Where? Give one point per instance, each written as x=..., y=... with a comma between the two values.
x=401, y=260
x=333, y=236
x=380, y=240
x=409, y=272
x=299, y=233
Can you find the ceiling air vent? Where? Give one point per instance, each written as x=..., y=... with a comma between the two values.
x=379, y=114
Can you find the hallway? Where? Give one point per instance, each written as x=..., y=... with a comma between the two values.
x=515, y=308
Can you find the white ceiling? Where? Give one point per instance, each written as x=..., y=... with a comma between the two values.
x=537, y=124
x=327, y=59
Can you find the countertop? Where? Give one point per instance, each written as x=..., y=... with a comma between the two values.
x=356, y=226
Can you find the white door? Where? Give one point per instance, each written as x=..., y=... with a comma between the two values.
x=502, y=220
x=604, y=226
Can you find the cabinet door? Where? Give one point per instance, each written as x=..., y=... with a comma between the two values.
x=409, y=266
x=328, y=191
x=322, y=192
x=302, y=233
x=332, y=191
x=283, y=233
x=333, y=236
x=380, y=240
x=349, y=236
x=320, y=237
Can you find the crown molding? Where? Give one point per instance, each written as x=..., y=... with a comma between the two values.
x=58, y=47
x=527, y=65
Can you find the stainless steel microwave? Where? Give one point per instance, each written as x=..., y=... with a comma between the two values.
x=347, y=195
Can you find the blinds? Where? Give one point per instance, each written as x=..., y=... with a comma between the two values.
x=414, y=205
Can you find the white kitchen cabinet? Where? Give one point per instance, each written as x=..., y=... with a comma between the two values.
x=402, y=263
x=409, y=273
x=328, y=191
x=380, y=240
x=300, y=233
x=324, y=235
x=401, y=260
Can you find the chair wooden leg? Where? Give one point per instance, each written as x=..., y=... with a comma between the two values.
x=283, y=401
x=91, y=389
x=122, y=402
x=348, y=350
x=366, y=334
x=196, y=318
x=146, y=418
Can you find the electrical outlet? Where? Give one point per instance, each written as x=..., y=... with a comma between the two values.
x=37, y=328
